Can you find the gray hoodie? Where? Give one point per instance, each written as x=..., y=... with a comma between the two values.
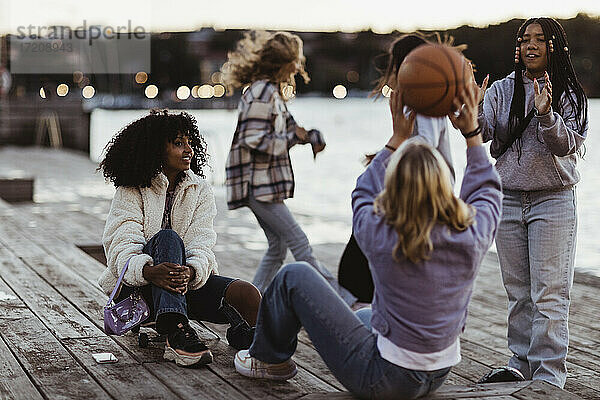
x=550, y=142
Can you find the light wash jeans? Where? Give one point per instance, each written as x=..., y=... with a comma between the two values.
x=536, y=248
x=300, y=297
x=283, y=232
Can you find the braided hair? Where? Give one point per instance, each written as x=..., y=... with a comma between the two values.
x=561, y=73
x=135, y=155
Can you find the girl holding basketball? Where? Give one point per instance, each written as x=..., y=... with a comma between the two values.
x=537, y=121
x=353, y=272
x=424, y=247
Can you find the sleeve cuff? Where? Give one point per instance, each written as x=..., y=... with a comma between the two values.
x=547, y=119
x=134, y=276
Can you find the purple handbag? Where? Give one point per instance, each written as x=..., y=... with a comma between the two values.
x=126, y=314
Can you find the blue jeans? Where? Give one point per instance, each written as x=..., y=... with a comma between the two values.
x=202, y=304
x=283, y=232
x=536, y=248
x=299, y=296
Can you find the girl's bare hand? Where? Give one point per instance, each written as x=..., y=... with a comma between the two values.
x=465, y=119
x=168, y=276
x=402, y=124
x=543, y=98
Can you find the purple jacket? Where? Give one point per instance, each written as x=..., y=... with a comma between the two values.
x=423, y=307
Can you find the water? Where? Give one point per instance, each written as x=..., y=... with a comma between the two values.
x=353, y=127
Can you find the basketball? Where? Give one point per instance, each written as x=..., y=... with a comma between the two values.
x=431, y=76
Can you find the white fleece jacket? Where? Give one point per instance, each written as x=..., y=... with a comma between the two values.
x=136, y=215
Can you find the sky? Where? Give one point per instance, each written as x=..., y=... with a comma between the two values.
x=305, y=15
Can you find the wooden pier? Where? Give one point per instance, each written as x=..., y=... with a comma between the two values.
x=51, y=309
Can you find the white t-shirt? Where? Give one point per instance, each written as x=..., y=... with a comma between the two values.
x=445, y=358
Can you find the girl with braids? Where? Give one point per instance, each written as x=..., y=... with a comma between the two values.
x=160, y=225
x=537, y=121
x=259, y=170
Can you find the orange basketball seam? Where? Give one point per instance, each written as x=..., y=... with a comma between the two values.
x=451, y=61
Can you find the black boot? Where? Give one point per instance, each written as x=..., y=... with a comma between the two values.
x=239, y=334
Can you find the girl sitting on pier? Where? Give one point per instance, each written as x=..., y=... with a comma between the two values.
x=424, y=246
x=161, y=221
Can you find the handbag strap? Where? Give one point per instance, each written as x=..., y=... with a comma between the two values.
x=118, y=285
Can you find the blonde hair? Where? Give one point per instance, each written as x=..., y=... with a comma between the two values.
x=264, y=55
x=417, y=195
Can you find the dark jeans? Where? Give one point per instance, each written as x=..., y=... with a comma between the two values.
x=300, y=297
x=202, y=304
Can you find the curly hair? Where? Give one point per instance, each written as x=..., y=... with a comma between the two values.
x=135, y=155
x=263, y=55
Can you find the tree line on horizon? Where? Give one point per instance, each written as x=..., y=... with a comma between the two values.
x=333, y=58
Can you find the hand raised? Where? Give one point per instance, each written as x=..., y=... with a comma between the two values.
x=403, y=125
x=465, y=118
x=543, y=98
x=480, y=89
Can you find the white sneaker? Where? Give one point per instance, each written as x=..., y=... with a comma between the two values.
x=249, y=366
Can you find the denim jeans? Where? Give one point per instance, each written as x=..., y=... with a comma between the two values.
x=299, y=296
x=536, y=248
x=202, y=304
x=283, y=232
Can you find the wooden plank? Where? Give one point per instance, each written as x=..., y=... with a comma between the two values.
x=304, y=382
x=14, y=382
x=305, y=356
x=42, y=240
x=58, y=314
x=481, y=391
x=195, y=384
x=580, y=380
x=540, y=390
x=90, y=300
x=490, y=390
x=48, y=364
x=126, y=378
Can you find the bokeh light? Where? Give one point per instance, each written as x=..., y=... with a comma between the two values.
x=141, y=77
x=352, y=76
x=206, y=92
x=62, y=90
x=340, y=91
x=183, y=92
x=216, y=77
x=151, y=91
x=195, y=91
x=42, y=93
x=88, y=92
x=386, y=91
x=288, y=92
x=219, y=90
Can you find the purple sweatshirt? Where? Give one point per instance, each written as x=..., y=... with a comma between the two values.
x=423, y=307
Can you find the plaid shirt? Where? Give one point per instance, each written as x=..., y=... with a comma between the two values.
x=259, y=162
